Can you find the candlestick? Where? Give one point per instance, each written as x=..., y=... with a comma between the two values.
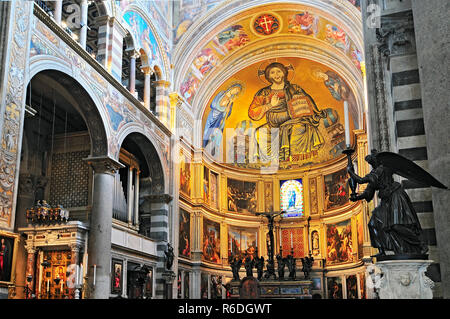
x=76, y=274
x=292, y=241
x=48, y=285
x=347, y=125
x=280, y=236
x=95, y=272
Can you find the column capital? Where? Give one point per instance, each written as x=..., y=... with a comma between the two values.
x=102, y=20
x=175, y=99
x=159, y=198
x=75, y=247
x=162, y=83
x=114, y=23
x=147, y=70
x=104, y=165
x=31, y=250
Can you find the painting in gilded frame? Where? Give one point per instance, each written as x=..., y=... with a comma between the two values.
x=8, y=249
x=352, y=286
x=241, y=196
x=213, y=190
x=117, y=277
x=334, y=285
x=336, y=189
x=185, y=174
x=339, y=243
x=211, y=241
x=242, y=242
x=184, y=245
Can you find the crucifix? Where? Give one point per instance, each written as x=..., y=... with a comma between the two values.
x=270, y=244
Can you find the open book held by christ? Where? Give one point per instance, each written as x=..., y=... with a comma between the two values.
x=299, y=106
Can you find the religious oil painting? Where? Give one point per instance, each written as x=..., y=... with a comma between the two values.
x=149, y=283
x=186, y=285
x=184, y=231
x=317, y=283
x=206, y=187
x=211, y=241
x=213, y=189
x=179, y=284
x=339, y=243
x=362, y=286
x=216, y=287
x=291, y=197
x=204, y=286
x=117, y=277
x=241, y=196
x=185, y=174
x=242, y=242
x=352, y=287
x=268, y=196
x=336, y=189
x=334, y=286
x=360, y=234
x=278, y=113
x=7, y=246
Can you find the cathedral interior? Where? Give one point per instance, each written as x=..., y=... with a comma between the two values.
x=147, y=146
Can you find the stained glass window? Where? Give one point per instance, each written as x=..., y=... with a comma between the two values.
x=291, y=197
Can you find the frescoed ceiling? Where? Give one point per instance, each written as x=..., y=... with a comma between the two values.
x=259, y=27
x=220, y=76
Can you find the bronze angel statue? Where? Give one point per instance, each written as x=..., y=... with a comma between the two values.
x=394, y=225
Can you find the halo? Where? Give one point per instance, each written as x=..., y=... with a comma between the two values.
x=313, y=74
x=262, y=67
x=236, y=83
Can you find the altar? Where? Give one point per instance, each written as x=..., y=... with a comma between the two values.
x=252, y=288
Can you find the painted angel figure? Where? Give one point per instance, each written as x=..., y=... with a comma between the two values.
x=394, y=225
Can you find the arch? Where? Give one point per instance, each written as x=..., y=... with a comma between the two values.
x=134, y=8
x=89, y=103
x=237, y=62
x=156, y=162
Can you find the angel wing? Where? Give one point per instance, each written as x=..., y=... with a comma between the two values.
x=408, y=169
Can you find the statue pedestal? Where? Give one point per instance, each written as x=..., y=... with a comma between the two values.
x=168, y=276
x=400, y=279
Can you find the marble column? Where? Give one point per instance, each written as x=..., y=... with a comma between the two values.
x=83, y=23
x=58, y=11
x=163, y=101
x=130, y=196
x=110, y=44
x=99, y=247
x=136, y=197
x=31, y=264
x=147, y=86
x=132, y=80
x=431, y=26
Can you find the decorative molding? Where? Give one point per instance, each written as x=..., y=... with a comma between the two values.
x=104, y=165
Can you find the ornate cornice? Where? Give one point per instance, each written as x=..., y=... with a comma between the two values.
x=158, y=198
x=104, y=165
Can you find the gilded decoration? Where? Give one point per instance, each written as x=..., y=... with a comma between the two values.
x=287, y=112
x=252, y=26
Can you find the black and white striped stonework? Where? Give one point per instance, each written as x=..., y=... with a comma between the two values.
x=411, y=143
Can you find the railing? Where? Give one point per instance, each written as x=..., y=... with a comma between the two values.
x=44, y=7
